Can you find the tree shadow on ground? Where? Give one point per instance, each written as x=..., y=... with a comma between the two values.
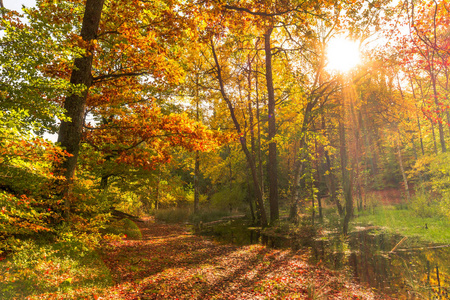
x=170, y=263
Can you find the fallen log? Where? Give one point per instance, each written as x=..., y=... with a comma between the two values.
x=222, y=220
x=423, y=248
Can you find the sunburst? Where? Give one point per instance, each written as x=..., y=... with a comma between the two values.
x=342, y=54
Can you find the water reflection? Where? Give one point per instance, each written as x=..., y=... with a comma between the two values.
x=414, y=271
x=406, y=274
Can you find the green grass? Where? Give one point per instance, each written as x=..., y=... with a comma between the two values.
x=407, y=223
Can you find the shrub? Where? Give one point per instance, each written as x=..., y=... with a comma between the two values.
x=124, y=227
x=432, y=173
x=423, y=206
x=56, y=270
x=173, y=215
x=229, y=198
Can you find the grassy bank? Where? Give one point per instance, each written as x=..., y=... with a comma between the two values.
x=404, y=221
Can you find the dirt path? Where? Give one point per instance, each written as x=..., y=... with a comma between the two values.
x=171, y=263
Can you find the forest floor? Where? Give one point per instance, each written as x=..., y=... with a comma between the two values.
x=169, y=262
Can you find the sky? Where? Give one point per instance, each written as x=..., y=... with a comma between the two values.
x=17, y=4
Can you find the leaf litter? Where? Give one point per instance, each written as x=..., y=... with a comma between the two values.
x=171, y=263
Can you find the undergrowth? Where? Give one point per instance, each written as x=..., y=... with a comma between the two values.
x=185, y=215
x=124, y=227
x=65, y=269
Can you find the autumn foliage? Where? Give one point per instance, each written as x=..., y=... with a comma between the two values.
x=215, y=105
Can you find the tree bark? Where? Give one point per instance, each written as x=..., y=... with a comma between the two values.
x=70, y=132
x=252, y=126
x=197, y=157
x=346, y=178
x=250, y=108
x=330, y=180
x=272, y=163
x=258, y=119
x=196, y=184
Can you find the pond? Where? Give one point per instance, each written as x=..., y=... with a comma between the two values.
x=416, y=270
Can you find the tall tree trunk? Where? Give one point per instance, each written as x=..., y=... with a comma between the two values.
x=258, y=119
x=440, y=127
x=313, y=208
x=242, y=140
x=158, y=186
x=438, y=280
x=250, y=202
x=368, y=146
x=196, y=184
x=431, y=121
x=1, y=6
x=346, y=178
x=420, y=133
x=252, y=125
x=105, y=176
x=70, y=132
x=329, y=178
x=250, y=108
x=400, y=162
x=104, y=182
x=272, y=163
x=356, y=129
x=197, y=154
x=316, y=181
x=331, y=184
x=434, y=138
x=417, y=116
x=298, y=164
x=298, y=170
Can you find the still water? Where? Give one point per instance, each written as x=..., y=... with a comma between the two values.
x=416, y=270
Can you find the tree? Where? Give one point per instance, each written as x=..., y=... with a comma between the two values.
x=70, y=132
x=276, y=18
x=25, y=49
x=425, y=48
x=241, y=136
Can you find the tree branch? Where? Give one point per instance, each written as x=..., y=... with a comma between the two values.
x=107, y=77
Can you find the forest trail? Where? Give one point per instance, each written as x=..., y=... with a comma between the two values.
x=171, y=263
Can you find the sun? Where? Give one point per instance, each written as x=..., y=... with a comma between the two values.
x=342, y=54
